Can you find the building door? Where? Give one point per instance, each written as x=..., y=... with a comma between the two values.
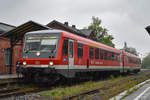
x=71, y=54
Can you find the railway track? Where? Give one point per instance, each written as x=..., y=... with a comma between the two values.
x=105, y=87
x=16, y=87
x=20, y=90
x=7, y=92
x=4, y=93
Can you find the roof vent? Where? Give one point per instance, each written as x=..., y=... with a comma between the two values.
x=66, y=23
x=73, y=26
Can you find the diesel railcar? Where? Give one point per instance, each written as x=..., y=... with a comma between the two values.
x=53, y=54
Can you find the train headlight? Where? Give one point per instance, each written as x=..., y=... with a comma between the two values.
x=51, y=63
x=38, y=53
x=24, y=63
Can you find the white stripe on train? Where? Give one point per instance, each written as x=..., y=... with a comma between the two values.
x=81, y=67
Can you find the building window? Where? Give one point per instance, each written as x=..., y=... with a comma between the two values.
x=7, y=57
x=91, y=52
x=65, y=48
x=80, y=50
x=101, y=53
x=105, y=55
x=96, y=53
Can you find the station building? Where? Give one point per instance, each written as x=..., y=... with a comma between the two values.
x=11, y=40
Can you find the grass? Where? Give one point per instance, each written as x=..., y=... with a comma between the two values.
x=60, y=92
x=119, y=84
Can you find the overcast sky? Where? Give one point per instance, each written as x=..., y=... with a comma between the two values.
x=125, y=19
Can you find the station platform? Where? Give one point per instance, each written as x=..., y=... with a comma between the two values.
x=8, y=76
x=141, y=94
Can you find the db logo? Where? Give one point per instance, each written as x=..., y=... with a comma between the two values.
x=37, y=62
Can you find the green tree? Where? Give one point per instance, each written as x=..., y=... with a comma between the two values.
x=101, y=33
x=146, y=61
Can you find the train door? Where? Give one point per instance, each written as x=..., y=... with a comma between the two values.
x=71, y=54
x=121, y=63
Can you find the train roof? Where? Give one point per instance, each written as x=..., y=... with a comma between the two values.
x=78, y=38
x=90, y=42
x=131, y=55
x=45, y=31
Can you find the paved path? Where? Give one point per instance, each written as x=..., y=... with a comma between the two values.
x=141, y=94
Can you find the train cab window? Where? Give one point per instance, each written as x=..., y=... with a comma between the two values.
x=101, y=54
x=105, y=55
x=91, y=52
x=80, y=50
x=65, y=48
x=96, y=53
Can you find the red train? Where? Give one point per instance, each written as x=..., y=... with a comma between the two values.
x=53, y=54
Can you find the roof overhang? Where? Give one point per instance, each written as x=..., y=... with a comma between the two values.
x=148, y=29
x=24, y=28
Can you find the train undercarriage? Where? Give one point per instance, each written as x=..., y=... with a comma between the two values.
x=51, y=75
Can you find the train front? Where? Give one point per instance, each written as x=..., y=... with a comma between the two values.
x=39, y=55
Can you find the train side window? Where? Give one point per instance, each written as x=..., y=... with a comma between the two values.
x=80, y=50
x=91, y=52
x=118, y=58
x=109, y=55
x=105, y=55
x=65, y=48
x=113, y=56
x=96, y=53
x=101, y=53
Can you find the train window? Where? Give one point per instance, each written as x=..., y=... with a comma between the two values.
x=118, y=58
x=96, y=53
x=65, y=48
x=80, y=50
x=105, y=55
x=109, y=55
x=70, y=49
x=125, y=59
x=91, y=52
x=101, y=54
x=113, y=56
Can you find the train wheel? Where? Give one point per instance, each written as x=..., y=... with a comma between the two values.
x=27, y=78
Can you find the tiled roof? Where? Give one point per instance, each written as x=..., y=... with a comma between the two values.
x=69, y=28
x=86, y=32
